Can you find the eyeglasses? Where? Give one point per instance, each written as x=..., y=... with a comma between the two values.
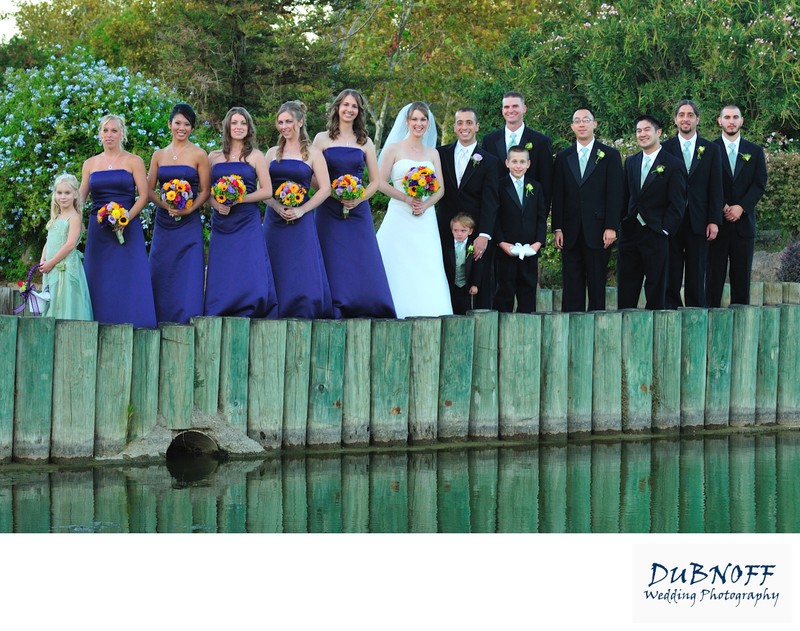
x=585, y=121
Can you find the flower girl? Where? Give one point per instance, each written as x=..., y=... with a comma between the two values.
x=61, y=262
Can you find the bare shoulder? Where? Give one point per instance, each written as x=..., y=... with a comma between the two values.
x=322, y=140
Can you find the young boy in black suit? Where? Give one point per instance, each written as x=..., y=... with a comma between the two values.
x=521, y=230
x=462, y=270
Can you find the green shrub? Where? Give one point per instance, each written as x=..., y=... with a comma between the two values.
x=779, y=209
x=51, y=115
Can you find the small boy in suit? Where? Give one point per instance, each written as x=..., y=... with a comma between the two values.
x=520, y=232
x=462, y=270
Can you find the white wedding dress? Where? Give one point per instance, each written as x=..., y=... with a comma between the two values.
x=412, y=254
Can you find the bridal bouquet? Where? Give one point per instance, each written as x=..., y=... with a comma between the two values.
x=420, y=182
x=229, y=190
x=347, y=187
x=177, y=194
x=115, y=216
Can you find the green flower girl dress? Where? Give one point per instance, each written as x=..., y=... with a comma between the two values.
x=69, y=293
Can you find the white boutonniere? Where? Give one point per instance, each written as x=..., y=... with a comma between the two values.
x=700, y=151
x=600, y=155
x=746, y=156
x=659, y=169
x=476, y=159
x=528, y=189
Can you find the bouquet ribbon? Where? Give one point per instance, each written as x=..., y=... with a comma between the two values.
x=31, y=297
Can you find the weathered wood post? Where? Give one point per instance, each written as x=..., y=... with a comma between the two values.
x=234, y=346
x=423, y=408
x=455, y=382
x=483, y=412
x=176, y=375
x=144, y=382
x=756, y=293
x=357, y=386
x=33, y=403
x=694, y=360
x=544, y=300
x=295, y=386
x=637, y=370
x=8, y=350
x=773, y=293
x=667, y=371
x=113, y=390
x=555, y=374
x=788, y=411
x=607, y=373
x=74, y=380
x=207, y=344
x=791, y=293
x=579, y=373
x=744, y=364
x=519, y=366
x=266, y=382
x=326, y=382
x=767, y=365
x=718, y=375
x=390, y=358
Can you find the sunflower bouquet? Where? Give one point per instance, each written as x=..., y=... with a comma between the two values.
x=347, y=187
x=291, y=194
x=229, y=190
x=178, y=195
x=420, y=182
x=115, y=216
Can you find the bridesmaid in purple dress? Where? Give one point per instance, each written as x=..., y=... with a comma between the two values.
x=349, y=247
x=117, y=273
x=239, y=276
x=290, y=233
x=177, y=259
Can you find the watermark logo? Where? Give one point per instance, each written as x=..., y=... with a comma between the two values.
x=718, y=583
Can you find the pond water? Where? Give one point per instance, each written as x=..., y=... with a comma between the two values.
x=739, y=483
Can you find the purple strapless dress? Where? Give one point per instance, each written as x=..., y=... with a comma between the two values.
x=297, y=266
x=177, y=260
x=117, y=274
x=239, y=276
x=359, y=287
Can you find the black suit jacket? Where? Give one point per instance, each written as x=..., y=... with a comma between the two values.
x=661, y=201
x=586, y=206
x=477, y=195
x=521, y=222
x=704, y=184
x=541, y=153
x=472, y=268
x=746, y=186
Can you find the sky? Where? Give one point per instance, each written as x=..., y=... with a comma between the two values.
x=7, y=27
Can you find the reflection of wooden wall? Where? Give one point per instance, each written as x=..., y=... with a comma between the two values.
x=80, y=390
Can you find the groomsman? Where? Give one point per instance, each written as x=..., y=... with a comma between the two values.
x=587, y=205
x=655, y=198
x=470, y=176
x=539, y=146
x=744, y=178
x=688, y=247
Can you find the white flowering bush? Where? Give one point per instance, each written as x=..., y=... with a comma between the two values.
x=51, y=115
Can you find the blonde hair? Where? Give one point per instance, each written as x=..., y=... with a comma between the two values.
x=298, y=110
x=55, y=209
x=120, y=120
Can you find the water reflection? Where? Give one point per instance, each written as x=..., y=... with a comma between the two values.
x=714, y=484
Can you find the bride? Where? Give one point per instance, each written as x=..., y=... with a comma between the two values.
x=409, y=235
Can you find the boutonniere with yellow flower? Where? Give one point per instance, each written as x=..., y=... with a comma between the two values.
x=700, y=151
x=659, y=169
x=529, y=146
x=528, y=189
x=600, y=155
x=745, y=156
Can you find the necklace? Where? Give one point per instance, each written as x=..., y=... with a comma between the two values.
x=112, y=163
x=172, y=151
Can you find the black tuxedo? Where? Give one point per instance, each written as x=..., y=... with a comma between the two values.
x=583, y=208
x=541, y=153
x=736, y=240
x=688, y=247
x=473, y=272
x=518, y=222
x=653, y=212
x=477, y=197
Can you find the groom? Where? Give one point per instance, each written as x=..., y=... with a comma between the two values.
x=470, y=176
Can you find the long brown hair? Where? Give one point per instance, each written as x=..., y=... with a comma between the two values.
x=360, y=122
x=298, y=110
x=249, y=141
